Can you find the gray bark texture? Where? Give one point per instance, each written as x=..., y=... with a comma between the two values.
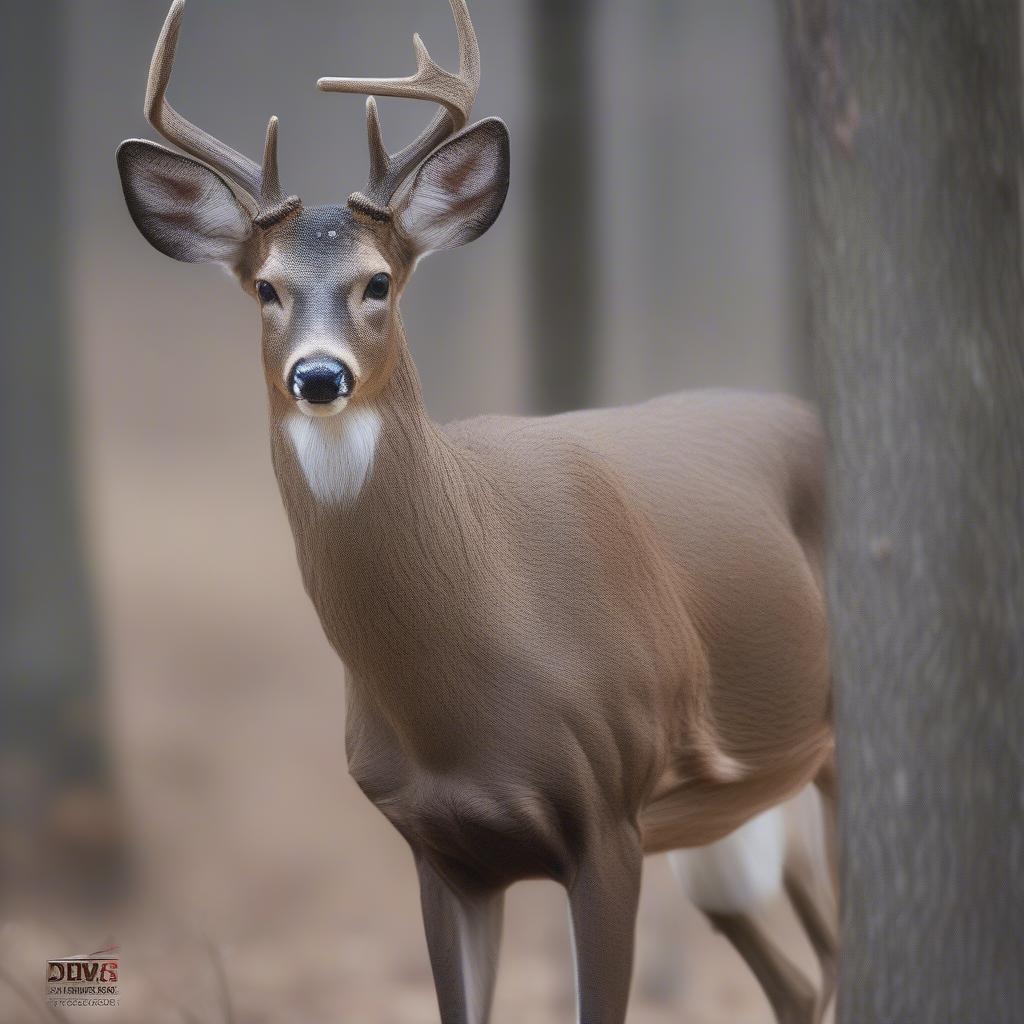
x=54, y=771
x=561, y=255
x=908, y=128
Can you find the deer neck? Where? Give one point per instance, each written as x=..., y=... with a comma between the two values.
x=385, y=549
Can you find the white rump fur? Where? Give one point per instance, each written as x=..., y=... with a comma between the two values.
x=336, y=452
x=743, y=871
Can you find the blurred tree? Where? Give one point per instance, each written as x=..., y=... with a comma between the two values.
x=908, y=122
x=53, y=770
x=561, y=260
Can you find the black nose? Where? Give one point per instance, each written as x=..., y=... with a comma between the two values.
x=320, y=380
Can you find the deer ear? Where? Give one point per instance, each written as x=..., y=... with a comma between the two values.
x=182, y=207
x=458, y=191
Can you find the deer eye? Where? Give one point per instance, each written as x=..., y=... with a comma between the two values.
x=378, y=286
x=265, y=290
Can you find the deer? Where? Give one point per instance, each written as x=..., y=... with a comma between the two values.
x=569, y=641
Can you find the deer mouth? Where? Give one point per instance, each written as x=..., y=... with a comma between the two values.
x=321, y=410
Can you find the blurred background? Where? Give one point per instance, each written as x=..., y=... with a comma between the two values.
x=172, y=718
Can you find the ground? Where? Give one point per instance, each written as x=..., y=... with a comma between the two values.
x=260, y=859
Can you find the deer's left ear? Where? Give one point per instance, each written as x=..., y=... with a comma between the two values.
x=182, y=207
x=458, y=191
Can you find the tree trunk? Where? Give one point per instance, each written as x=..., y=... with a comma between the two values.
x=55, y=809
x=562, y=263
x=908, y=125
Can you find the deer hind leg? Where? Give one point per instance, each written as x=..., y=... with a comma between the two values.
x=826, y=784
x=463, y=939
x=820, y=931
x=729, y=880
x=791, y=994
x=813, y=896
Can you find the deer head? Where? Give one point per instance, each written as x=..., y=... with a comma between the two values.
x=327, y=278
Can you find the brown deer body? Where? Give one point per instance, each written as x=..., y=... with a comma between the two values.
x=572, y=640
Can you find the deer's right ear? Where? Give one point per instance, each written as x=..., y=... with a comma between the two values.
x=182, y=207
x=459, y=189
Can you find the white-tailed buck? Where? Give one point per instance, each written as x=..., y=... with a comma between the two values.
x=570, y=641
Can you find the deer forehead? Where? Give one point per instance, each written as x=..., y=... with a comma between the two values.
x=324, y=243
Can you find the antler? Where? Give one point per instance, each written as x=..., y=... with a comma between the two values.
x=261, y=185
x=455, y=94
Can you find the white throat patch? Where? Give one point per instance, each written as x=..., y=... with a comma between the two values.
x=336, y=452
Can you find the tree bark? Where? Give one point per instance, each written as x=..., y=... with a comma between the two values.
x=908, y=128
x=562, y=265
x=55, y=808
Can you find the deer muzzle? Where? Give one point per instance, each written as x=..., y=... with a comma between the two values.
x=320, y=381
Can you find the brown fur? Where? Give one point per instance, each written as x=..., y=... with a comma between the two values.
x=543, y=633
x=571, y=641
x=577, y=639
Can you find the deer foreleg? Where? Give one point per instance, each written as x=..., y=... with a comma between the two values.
x=603, y=900
x=463, y=938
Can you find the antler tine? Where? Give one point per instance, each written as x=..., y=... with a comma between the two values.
x=455, y=94
x=380, y=159
x=259, y=184
x=270, y=179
